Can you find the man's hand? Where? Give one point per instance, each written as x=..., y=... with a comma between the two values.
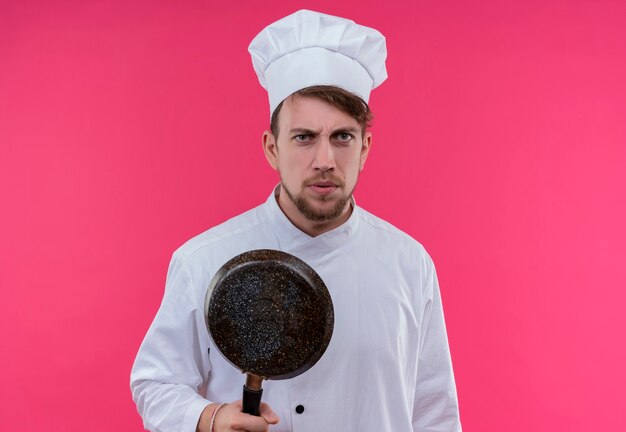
x=230, y=418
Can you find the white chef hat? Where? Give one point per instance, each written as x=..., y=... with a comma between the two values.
x=310, y=48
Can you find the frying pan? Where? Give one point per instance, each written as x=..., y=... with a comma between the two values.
x=270, y=315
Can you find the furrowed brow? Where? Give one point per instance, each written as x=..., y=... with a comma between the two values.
x=302, y=131
x=351, y=130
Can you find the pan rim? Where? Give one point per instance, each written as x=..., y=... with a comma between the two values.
x=289, y=264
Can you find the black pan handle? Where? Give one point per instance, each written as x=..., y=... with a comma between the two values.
x=251, y=402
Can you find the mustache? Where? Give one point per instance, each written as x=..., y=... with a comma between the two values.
x=324, y=178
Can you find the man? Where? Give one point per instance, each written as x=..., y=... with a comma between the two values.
x=387, y=367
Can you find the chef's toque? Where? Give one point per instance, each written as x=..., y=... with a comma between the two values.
x=310, y=48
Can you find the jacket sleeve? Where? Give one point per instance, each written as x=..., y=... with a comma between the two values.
x=436, y=407
x=172, y=363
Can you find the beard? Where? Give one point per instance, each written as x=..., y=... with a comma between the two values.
x=315, y=214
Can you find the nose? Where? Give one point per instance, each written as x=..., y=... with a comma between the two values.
x=324, y=155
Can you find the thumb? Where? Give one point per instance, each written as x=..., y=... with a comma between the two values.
x=268, y=414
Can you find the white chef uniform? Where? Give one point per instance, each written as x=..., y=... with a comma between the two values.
x=387, y=367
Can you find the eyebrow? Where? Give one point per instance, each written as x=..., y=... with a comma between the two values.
x=304, y=131
x=351, y=130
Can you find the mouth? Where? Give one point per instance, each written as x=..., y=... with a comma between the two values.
x=323, y=188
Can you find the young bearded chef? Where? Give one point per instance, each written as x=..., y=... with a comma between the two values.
x=387, y=367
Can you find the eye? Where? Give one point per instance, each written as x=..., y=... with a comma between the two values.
x=344, y=137
x=303, y=138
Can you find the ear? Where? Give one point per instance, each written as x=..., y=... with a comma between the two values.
x=270, y=149
x=365, y=149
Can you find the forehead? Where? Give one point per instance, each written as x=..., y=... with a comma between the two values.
x=306, y=112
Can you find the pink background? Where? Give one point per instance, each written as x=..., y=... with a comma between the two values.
x=126, y=127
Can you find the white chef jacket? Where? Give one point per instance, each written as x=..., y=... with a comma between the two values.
x=387, y=367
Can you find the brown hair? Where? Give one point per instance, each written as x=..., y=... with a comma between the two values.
x=341, y=99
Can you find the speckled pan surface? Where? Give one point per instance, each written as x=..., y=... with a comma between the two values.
x=269, y=313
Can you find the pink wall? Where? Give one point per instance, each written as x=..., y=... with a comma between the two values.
x=126, y=127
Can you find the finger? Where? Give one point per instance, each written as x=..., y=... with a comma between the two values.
x=248, y=423
x=268, y=414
